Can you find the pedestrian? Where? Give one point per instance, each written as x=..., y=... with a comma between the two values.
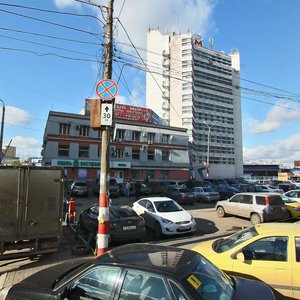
x=137, y=190
x=127, y=189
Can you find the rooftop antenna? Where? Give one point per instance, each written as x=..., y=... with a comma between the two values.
x=211, y=42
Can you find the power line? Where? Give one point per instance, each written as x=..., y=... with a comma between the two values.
x=51, y=11
x=52, y=23
x=47, y=54
x=45, y=45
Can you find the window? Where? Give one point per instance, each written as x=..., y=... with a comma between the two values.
x=150, y=174
x=165, y=156
x=119, y=153
x=83, y=151
x=84, y=130
x=63, y=150
x=136, y=135
x=247, y=199
x=151, y=137
x=151, y=155
x=136, y=154
x=177, y=291
x=120, y=134
x=271, y=248
x=64, y=128
x=143, y=285
x=165, y=138
x=135, y=174
x=164, y=175
x=297, y=243
x=97, y=283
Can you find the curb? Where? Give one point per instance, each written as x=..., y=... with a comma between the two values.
x=2, y=280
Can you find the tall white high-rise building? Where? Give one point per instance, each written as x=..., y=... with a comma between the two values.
x=198, y=88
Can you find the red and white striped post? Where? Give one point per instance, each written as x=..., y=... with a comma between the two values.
x=103, y=217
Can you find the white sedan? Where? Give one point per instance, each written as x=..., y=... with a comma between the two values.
x=164, y=216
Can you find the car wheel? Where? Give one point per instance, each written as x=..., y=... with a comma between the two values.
x=157, y=229
x=255, y=219
x=221, y=212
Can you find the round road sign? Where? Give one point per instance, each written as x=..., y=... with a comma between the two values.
x=106, y=89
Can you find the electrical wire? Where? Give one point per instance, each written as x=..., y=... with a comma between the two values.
x=51, y=11
x=96, y=35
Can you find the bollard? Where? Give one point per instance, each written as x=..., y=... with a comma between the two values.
x=71, y=212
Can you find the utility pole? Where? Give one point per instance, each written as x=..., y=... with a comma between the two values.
x=103, y=217
x=208, y=145
x=2, y=129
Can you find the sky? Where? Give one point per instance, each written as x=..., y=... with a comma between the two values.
x=51, y=59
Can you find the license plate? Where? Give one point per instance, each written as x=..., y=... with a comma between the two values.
x=129, y=227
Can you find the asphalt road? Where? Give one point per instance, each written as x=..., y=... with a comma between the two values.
x=209, y=225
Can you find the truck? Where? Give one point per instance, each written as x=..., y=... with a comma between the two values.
x=31, y=206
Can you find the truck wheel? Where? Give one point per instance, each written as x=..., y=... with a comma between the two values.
x=221, y=212
x=255, y=219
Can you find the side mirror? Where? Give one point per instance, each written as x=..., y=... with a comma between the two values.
x=240, y=257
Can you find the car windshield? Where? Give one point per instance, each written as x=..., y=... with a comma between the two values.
x=121, y=212
x=167, y=206
x=222, y=245
x=210, y=282
x=207, y=189
x=288, y=200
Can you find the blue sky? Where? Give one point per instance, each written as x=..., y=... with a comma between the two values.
x=34, y=79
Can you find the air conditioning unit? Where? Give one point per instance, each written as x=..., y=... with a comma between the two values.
x=150, y=142
x=77, y=127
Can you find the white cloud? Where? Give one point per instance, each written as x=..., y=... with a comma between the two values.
x=26, y=146
x=16, y=116
x=274, y=119
x=286, y=150
x=66, y=3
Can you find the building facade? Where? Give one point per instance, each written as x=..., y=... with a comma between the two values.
x=198, y=88
x=140, y=148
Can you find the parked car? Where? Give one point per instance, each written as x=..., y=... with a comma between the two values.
x=268, y=252
x=270, y=189
x=145, y=190
x=79, y=188
x=180, y=195
x=293, y=206
x=124, y=224
x=205, y=194
x=294, y=194
x=258, y=207
x=138, y=271
x=113, y=187
x=157, y=187
x=225, y=192
x=164, y=216
x=286, y=187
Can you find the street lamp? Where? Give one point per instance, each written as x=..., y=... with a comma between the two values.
x=208, y=144
x=2, y=129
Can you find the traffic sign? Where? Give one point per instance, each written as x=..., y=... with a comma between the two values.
x=107, y=89
x=106, y=114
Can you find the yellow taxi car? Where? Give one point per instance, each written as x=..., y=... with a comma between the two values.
x=269, y=252
x=293, y=206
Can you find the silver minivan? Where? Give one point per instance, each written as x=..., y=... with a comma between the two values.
x=258, y=207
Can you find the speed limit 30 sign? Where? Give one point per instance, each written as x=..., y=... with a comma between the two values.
x=106, y=114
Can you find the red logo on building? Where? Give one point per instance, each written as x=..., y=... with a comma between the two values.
x=198, y=43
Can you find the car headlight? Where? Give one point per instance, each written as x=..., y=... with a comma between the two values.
x=192, y=219
x=297, y=209
x=166, y=221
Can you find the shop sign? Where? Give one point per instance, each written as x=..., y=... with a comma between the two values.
x=75, y=163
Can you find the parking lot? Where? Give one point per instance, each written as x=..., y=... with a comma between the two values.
x=209, y=226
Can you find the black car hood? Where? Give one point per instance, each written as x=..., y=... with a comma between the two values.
x=45, y=279
x=248, y=289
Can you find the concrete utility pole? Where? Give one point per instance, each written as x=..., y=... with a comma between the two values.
x=103, y=217
x=208, y=144
x=2, y=129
